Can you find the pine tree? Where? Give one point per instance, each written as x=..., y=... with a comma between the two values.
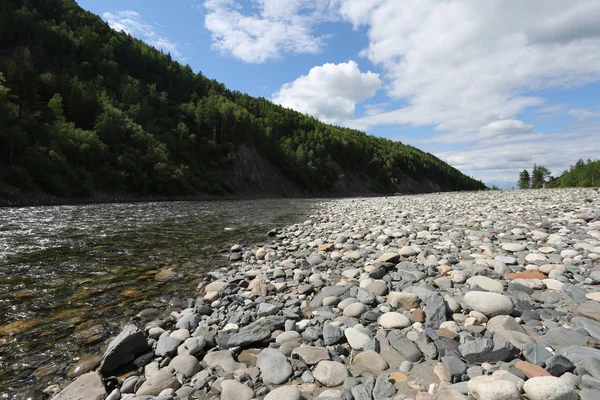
x=524, y=180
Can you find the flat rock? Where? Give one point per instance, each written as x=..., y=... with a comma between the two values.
x=513, y=247
x=274, y=366
x=357, y=339
x=402, y=300
x=590, y=309
x=529, y=274
x=310, y=355
x=234, y=390
x=531, y=370
x=486, y=283
x=355, y=310
x=488, y=303
x=87, y=387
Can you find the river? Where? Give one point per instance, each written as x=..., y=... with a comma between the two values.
x=71, y=276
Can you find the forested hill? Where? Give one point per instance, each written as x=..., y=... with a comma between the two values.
x=86, y=109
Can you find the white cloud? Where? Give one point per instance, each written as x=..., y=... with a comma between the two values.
x=329, y=92
x=276, y=27
x=131, y=22
x=504, y=128
x=461, y=65
x=583, y=113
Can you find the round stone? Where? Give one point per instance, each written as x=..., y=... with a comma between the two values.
x=233, y=390
x=490, y=304
x=513, y=247
x=284, y=393
x=330, y=373
x=355, y=310
x=393, y=320
x=491, y=285
x=549, y=388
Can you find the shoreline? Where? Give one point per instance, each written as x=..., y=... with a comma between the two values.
x=426, y=296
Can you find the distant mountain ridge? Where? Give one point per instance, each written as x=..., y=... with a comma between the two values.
x=85, y=109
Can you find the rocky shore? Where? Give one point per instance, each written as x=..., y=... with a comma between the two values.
x=488, y=295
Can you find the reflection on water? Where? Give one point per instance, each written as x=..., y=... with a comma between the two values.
x=71, y=275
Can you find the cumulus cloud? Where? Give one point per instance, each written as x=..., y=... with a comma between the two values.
x=131, y=22
x=273, y=28
x=329, y=92
x=464, y=64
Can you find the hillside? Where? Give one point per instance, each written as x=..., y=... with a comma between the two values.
x=85, y=109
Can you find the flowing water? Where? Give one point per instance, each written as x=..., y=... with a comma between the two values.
x=70, y=276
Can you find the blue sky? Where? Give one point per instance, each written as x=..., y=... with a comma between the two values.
x=490, y=87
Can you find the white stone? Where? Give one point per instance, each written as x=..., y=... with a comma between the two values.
x=393, y=320
x=486, y=283
x=549, y=388
x=488, y=303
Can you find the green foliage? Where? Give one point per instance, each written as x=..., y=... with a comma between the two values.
x=524, y=180
x=494, y=187
x=539, y=177
x=84, y=108
x=582, y=174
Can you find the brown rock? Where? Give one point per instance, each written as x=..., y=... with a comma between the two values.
x=372, y=360
x=90, y=335
x=397, y=377
x=417, y=315
x=531, y=370
x=447, y=333
x=389, y=258
x=326, y=247
x=529, y=274
x=249, y=356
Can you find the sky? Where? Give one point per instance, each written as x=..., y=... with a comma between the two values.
x=491, y=87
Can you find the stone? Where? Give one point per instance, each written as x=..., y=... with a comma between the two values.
x=310, y=355
x=274, y=366
x=577, y=354
x=234, y=390
x=503, y=375
x=528, y=274
x=330, y=373
x=331, y=334
x=186, y=364
x=536, y=354
x=167, y=345
x=590, y=309
x=531, y=370
x=445, y=391
x=592, y=327
x=158, y=382
x=405, y=347
x=513, y=247
x=377, y=288
x=593, y=296
x=393, y=320
x=486, y=283
x=327, y=291
x=496, y=390
x=388, y=258
x=123, y=349
x=188, y=321
x=284, y=393
x=266, y=309
x=592, y=366
x=485, y=350
x=223, y=360
x=357, y=339
x=372, y=360
x=558, y=365
x=454, y=365
x=355, y=310
x=488, y=303
x=549, y=388
x=84, y=365
x=397, y=377
x=562, y=337
x=517, y=339
x=87, y=387
x=402, y=300
x=289, y=336
x=503, y=323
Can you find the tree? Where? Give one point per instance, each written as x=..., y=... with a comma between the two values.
x=524, y=180
x=539, y=176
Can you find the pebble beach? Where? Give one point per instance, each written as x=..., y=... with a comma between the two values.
x=489, y=295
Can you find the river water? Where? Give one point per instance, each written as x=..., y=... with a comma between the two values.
x=71, y=276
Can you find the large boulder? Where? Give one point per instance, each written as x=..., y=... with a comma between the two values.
x=87, y=387
x=123, y=349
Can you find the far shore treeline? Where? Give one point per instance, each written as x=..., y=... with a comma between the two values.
x=582, y=174
x=85, y=109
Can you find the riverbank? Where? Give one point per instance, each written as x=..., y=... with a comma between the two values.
x=492, y=294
